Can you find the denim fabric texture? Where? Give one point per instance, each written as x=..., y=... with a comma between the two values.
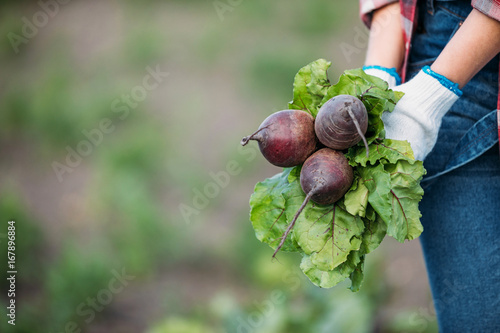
x=461, y=205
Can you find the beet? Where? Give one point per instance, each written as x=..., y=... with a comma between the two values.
x=286, y=138
x=342, y=122
x=325, y=177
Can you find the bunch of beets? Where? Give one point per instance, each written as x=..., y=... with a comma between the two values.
x=290, y=138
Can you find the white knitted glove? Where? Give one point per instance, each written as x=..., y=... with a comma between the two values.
x=417, y=116
x=389, y=75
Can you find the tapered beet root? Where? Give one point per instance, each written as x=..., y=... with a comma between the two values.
x=325, y=177
x=286, y=138
x=342, y=122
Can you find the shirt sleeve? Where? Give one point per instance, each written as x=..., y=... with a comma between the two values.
x=366, y=8
x=490, y=8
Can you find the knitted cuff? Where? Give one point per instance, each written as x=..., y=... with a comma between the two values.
x=431, y=96
x=443, y=80
x=390, y=75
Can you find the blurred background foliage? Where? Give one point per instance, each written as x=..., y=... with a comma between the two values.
x=229, y=64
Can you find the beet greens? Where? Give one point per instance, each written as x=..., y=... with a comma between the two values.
x=335, y=228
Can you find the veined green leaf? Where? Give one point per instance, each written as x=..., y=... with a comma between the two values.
x=294, y=174
x=356, y=199
x=267, y=211
x=328, y=279
x=357, y=274
x=378, y=182
x=310, y=86
x=389, y=151
x=406, y=193
x=375, y=231
x=326, y=233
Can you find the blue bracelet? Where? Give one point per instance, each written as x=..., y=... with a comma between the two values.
x=443, y=80
x=391, y=71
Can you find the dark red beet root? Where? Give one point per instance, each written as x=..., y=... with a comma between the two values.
x=286, y=138
x=325, y=177
x=327, y=174
x=342, y=122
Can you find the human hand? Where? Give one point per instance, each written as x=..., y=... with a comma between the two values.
x=418, y=114
x=389, y=75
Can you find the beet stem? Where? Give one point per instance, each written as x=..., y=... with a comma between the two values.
x=363, y=94
x=358, y=128
x=290, y=227
x=245, y=140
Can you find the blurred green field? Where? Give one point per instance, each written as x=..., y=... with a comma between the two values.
x=99, y=159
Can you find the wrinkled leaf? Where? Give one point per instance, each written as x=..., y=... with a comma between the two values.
x=357, y=274
x=373, y=235
x=267, y=212
x=356, y=199
x=375, y=107
x=394, y=193
x=294, y=174
x=406, y=193
x=387, y=150
x=328, y=279
x=326, y=233
x=414, y=169
x=378, y=182
x=310, y=86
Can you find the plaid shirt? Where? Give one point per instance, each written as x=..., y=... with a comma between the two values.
x=490, y=8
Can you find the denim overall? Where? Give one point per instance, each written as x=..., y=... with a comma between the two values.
x=461, y=205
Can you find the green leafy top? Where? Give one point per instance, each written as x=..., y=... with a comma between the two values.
x=383, y=199
x=310, y=86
